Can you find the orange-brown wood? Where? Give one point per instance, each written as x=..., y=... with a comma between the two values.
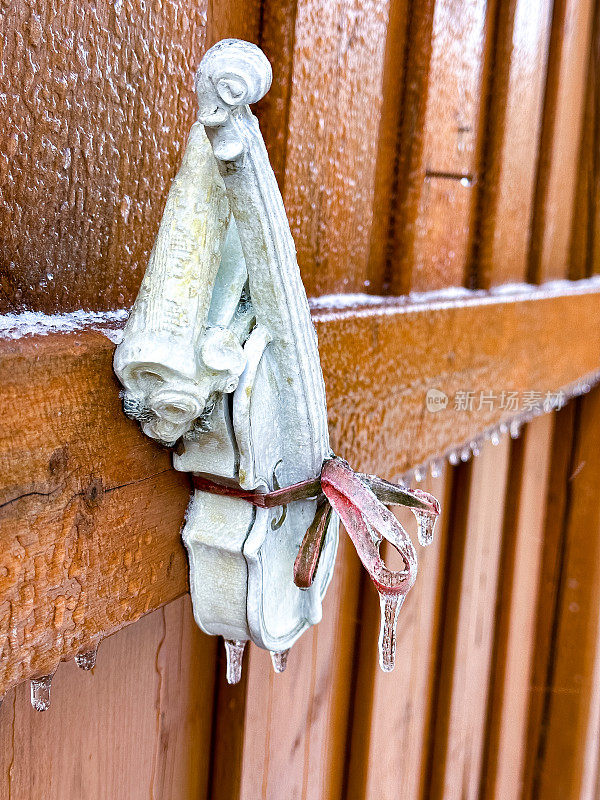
x=585, y=236
x=562, y=737
x=91, y=509
x=438, y=143
x=513, y=124
x=460, y=713
x=561, y=134
x=296, y=722
x=332, y=133
x=553, y=544
x=98, y=99
x=137, y=726
x=381, y=765
x=522, y=543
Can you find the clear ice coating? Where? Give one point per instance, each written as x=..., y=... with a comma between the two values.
x=86, y=659
x=279, y=660
x=425, y=526
x=437, y=467
x=234, y=650
x=40, y=692
x=390, y=608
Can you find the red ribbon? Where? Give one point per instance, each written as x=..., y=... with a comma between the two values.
x=356, y=499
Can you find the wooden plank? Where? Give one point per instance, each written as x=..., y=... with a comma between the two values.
x=558, y=482
x=438, y=143
x=399, y=702
x=295, y=724
x=562, y=739
x=513, y=129
x=136, y=726
x=460, y=715
x=494, y=346
x=91, y=510
x=561, y=135
x=516, y=607
x=585, y=235
x=327, y=123
x=98, y=97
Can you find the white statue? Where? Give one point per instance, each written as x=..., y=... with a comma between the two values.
x=220, y=357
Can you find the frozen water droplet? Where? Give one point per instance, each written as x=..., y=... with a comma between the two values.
x=40, y=692
x=465, y=454
x=407, y=478
x=419, y=474
x=475, y=448
x=425, y=526
x=495, y=438
x=86, y=659
x=503, y=429
x=515, y=429
x=436, y=468
x=234, y=650
x=279, y=660
x=454, y=458
x=390, y=608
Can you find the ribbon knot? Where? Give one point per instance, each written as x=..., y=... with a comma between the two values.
x=361, y=502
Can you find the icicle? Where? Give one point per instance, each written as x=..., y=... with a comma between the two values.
x=419, y=474
x=515, y=429
x=465, y=454
x=279, y=659
x=426, y=524
x=40, y=692
x=234, y=650
x=390, y=608
x=407, y=478
x=86, y=659
x=454, y=458
x=475, y=448
x=495, y=438
x=437, y=467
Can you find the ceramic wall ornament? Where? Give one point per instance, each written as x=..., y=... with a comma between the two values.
x=219, y=359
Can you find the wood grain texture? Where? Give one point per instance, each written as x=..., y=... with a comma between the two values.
x=585, y=235
x=296, y=723
x=438, y=143
x=560, y=142
x=520, y=561
x=381, y=765
x=512, y=133
x=327, y=123
x=460, y=715
x=568, y=690
x=91, y=509
x=549, y=579
x=97, y=100
x=137, y=726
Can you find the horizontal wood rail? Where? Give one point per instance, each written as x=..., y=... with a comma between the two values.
x=90, y=509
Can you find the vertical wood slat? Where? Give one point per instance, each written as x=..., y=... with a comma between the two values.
x=448, y=44
x=512, y=130
x=585, y=236
x=387, y=754
x=561, y=737
x=558, y=482
x=330, y=105
x=96, y=99
x=560, y=142
x=136, y=726
x=460, y=712
x=296, y=722
x=515, y=611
